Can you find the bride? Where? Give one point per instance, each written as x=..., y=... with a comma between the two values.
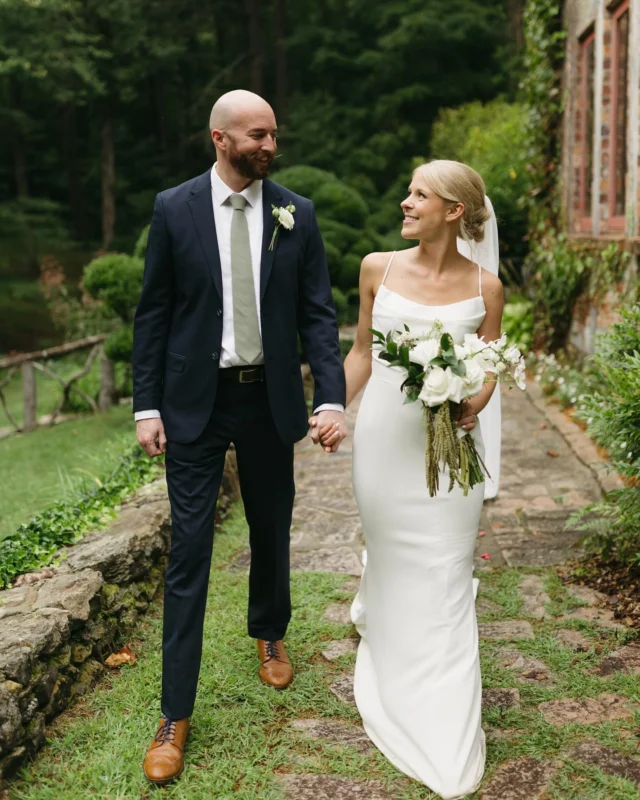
x=417, y=677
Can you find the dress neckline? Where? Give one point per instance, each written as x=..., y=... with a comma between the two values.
x=427, y=305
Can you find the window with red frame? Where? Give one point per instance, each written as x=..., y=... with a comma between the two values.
x=618, y=176
x=586, y=88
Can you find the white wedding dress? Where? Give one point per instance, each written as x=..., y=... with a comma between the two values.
x=417, y=677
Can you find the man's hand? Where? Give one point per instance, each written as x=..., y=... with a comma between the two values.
x=329, y=429
x=151, y=436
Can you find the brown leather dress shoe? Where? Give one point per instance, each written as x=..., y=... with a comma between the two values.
x=275, y=667
x=165, y=757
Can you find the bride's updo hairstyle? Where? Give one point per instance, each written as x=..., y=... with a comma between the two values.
x=455, y=182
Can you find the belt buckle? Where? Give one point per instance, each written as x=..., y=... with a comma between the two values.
x=241, y=376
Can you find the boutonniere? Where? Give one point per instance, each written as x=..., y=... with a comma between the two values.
x=284, y=218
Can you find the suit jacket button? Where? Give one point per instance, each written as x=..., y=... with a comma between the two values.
x=214, y=356
x=219, y=312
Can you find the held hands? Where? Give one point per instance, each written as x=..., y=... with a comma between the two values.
x=463, y=415
x=151, y=436
x=329, y=429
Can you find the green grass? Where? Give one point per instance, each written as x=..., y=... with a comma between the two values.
x=242, y=738
x=51, y=464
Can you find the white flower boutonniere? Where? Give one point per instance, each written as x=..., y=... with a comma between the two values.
x=284, y=218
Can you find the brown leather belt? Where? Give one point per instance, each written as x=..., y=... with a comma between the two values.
x=242, y=374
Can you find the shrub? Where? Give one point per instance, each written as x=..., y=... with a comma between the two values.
x=349, y=272
x=353, y=299
x=304, y=180
x=119, y=345
x=341, y=203
x=490, y=139
x=342, y=307
x=517, y=322
x=116, y=280
x=612, y=414
x=141, y=245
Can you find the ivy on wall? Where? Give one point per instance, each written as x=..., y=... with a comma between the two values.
x=561, y=272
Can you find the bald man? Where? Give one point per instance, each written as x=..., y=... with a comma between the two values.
x=227, y=290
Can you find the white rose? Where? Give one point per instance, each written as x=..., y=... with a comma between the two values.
x=474, y=343
x=424, y=352
x=512, y=355
x=435, y=390
x=457, y=388
x=461, y=351
x=474, y=379
x=286, y=219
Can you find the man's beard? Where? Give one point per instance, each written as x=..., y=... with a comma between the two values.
x=248, y=166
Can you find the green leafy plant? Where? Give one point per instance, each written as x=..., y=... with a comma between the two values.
x=612, y=414
x=517, y=322
x=36, y=542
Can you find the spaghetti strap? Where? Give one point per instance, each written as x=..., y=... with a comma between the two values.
x=386, y=272
x=479, y=280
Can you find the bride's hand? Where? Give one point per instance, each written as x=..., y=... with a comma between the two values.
x=464, y=415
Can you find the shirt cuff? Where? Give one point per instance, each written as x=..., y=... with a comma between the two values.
x=151, y=414
x=330, y=407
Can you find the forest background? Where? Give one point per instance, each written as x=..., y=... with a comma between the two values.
x=103, y=104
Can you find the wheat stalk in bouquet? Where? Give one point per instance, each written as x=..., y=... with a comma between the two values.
x=439, y=374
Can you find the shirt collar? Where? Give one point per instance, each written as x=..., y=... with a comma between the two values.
x=221, y=192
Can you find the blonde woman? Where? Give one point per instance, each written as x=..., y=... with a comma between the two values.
x=417, y=678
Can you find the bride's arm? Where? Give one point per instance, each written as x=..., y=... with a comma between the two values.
x=493, y=296
x=357, y=365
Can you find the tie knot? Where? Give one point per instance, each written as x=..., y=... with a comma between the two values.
x=238, y=202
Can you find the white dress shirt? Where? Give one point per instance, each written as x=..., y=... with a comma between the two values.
x=222, y=213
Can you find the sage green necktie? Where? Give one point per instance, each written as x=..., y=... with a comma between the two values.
x=245, y=313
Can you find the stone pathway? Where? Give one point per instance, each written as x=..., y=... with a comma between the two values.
x=543, y=482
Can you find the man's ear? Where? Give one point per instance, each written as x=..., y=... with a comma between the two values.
x=217, y=137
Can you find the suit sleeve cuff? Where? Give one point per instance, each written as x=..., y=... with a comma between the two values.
x=151, y=414
x=330, y=407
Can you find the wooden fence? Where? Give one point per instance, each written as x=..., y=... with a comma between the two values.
x=28, y=363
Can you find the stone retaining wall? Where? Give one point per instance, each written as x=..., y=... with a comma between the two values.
x=58, y=625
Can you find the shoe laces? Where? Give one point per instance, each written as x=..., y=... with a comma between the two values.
x=167, y=731
x=271, y=650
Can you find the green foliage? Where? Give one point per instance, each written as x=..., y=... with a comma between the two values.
x=612, y=414
x=542, y=91
x=353, y=300
x=141, y=245
x=119, y=345
x=489, y=138
x=342, y=217
x=342, y=306
x=517, y=323
x=563, y=271
x=116, y=280
x=36, y=542
x=30, y=227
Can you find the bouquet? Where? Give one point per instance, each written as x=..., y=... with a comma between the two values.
x=440, y=373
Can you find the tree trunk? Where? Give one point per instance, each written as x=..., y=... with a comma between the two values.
x=256, y=46
x=282, y=89
x=108, y=181
x=515, y=13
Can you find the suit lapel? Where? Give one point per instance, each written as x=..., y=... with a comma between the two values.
x=270, y=196
x=201, y=207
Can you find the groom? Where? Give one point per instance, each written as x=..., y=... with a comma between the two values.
x=226, y=292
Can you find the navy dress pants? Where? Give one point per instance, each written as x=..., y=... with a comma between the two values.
x=240, y=416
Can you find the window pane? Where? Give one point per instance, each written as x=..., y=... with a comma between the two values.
x=589, y=67
x=620, y=113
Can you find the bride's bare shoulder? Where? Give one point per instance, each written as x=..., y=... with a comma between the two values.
x=374, y=264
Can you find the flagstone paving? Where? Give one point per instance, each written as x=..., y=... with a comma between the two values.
x=561, y=700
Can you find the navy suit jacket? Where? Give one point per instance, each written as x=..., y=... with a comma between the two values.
x=178, y=321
